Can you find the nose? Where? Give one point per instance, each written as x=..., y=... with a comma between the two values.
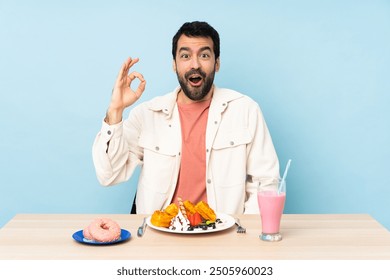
x=195, y=62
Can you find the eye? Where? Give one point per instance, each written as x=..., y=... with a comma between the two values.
x=205, y=55
x=184, y=56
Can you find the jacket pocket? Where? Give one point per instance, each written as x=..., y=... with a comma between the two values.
x=232, y=138
x=228, y=158
x=159, y=162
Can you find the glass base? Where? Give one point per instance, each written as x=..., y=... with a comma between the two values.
x=270, y=237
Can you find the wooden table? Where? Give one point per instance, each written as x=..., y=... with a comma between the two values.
x=325, y=237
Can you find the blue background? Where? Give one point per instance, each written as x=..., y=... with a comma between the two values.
x=319, y=70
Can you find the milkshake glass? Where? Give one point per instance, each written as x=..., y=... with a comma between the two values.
x=271, y=197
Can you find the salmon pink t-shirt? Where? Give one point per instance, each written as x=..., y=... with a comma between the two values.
x=191, y=183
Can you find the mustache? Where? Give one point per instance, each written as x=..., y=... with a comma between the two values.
x=195, y=71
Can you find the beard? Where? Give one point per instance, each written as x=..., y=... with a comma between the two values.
x=196, y=93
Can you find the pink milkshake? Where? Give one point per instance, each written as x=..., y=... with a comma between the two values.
x=271, y=206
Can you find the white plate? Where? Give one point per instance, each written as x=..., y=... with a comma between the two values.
x=227, y=221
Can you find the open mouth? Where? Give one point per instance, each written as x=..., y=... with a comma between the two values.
x=195, y=80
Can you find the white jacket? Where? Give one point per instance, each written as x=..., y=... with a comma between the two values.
x=238, y=149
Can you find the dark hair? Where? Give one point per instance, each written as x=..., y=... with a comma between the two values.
x=196, y=29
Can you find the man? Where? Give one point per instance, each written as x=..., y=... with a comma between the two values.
x=199, y=142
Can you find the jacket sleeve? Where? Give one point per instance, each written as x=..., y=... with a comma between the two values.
x=262, y=160
x=115, y=152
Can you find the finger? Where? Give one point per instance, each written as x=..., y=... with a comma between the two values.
x=126, y=67
x=133, y=61
x=140, y=89
x=134, y=75
x=141, y=86
x=124, y=70
x=129, y=63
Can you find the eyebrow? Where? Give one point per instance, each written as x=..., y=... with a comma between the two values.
x=206, y=48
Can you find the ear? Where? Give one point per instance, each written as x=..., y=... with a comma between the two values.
x=217, y=64
x=174, y=65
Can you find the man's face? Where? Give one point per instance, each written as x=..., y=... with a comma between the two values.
x=195, y=66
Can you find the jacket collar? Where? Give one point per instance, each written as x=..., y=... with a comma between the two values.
x=223, y=96
x=166, y=104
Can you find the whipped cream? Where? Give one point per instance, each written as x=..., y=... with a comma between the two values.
x=179, y=223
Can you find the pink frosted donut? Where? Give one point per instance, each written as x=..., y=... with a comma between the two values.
x=104, y=230
x=87, y=234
